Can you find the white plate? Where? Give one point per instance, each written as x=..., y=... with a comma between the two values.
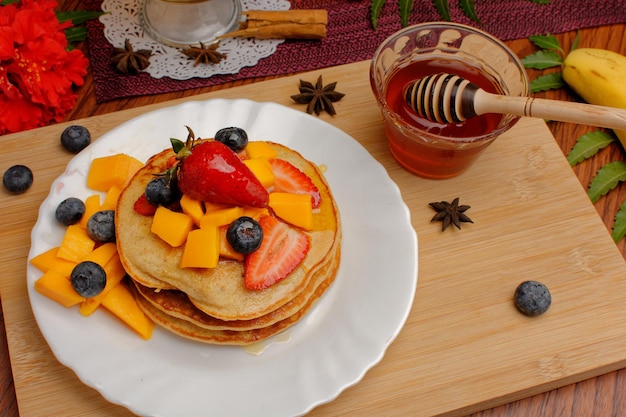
x=330, y=349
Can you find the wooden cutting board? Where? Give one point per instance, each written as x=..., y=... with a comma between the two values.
x=464, y=347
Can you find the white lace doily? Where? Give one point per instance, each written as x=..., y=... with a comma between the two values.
x=122, y=22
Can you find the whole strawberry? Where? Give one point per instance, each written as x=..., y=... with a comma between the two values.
x=210, y=171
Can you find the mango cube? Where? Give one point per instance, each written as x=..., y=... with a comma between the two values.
x=122, y=304
x=296, y=209
x=202, y=249
x=58, y=288
x=193, y=208
x=226, y=250
x=76, y=244
x=262, y=170
x=115, y=273
x=171, y=226
x=260, y=149
x=49, y=261
x=102, y=254
x=220, y=217
x=92, y=205
x=111, y=170
x=255, y=212
x=213, y=206
x=111, y=197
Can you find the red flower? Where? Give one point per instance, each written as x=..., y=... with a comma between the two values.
x=37, y=72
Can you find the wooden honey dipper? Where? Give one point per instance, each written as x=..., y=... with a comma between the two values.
x=447, y=98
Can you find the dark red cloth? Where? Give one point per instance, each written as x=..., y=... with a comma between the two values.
x=351, y=37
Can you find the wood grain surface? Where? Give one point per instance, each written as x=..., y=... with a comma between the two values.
x=601, y=395
x=463, y=330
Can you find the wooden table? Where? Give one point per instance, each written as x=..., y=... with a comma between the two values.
x=603, y=395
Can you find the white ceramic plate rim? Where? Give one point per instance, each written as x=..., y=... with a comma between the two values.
x=330, y=349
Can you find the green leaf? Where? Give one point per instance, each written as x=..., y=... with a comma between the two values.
x=542, y=59
x=588, y=145
x=546, y=42
x=177, y=144
x=443, y=8
x=606, y=179
x=375, y=9
x=469, y=9
x=76, y=34
x=575, y=42
x=547, y=82
x=405, y=7
x=79, y=16
x=619, y=227
x=5, y=2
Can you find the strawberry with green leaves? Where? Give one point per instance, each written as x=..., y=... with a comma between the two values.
x=210, y=171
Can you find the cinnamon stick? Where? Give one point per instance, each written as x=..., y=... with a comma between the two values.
x=287, y=24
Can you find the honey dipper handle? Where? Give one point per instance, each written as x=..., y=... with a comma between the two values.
x=447, y=98
x=562, y=111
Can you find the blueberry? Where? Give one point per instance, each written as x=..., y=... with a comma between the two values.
x=234, y=137
x=88, y=279
x=160, y=193
x=244, y=235
x=532, y=298
x=101, y=226
x=75, y=138
x=17, y=179
x=70, y=211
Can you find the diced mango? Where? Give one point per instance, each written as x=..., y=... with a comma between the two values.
x=134, y=165
x=102, y=254
x=171, y=226
x=111, y=170
x=92, y=205
x=49, y=261
x=255, y=212
x=220, y=217
x=226, y=250
x=262, y=170
x=58, y=288
x=213, y=206
x=296, y=209
x=115, y=273
x=260, y=150
x=122, y=304
x=76, y=244
x=202, y=249
x=111, y=197
x=193, y=208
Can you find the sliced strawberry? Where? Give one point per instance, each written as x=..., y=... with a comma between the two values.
x=281, y=251
x=289, y=179
x=144, y=207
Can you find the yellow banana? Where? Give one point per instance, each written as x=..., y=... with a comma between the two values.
x=599, y=77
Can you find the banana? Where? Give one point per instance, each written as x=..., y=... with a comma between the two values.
x=599, y=77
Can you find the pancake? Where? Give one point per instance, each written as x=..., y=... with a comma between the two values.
x=176, y=303
x=191, y=331
x=220, y=292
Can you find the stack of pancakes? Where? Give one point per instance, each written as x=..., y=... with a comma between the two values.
x=213, y=305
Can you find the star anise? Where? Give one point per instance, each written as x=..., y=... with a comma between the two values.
x=204, y=54
x=318, y=97
x=129, y=61
x=450, y=213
